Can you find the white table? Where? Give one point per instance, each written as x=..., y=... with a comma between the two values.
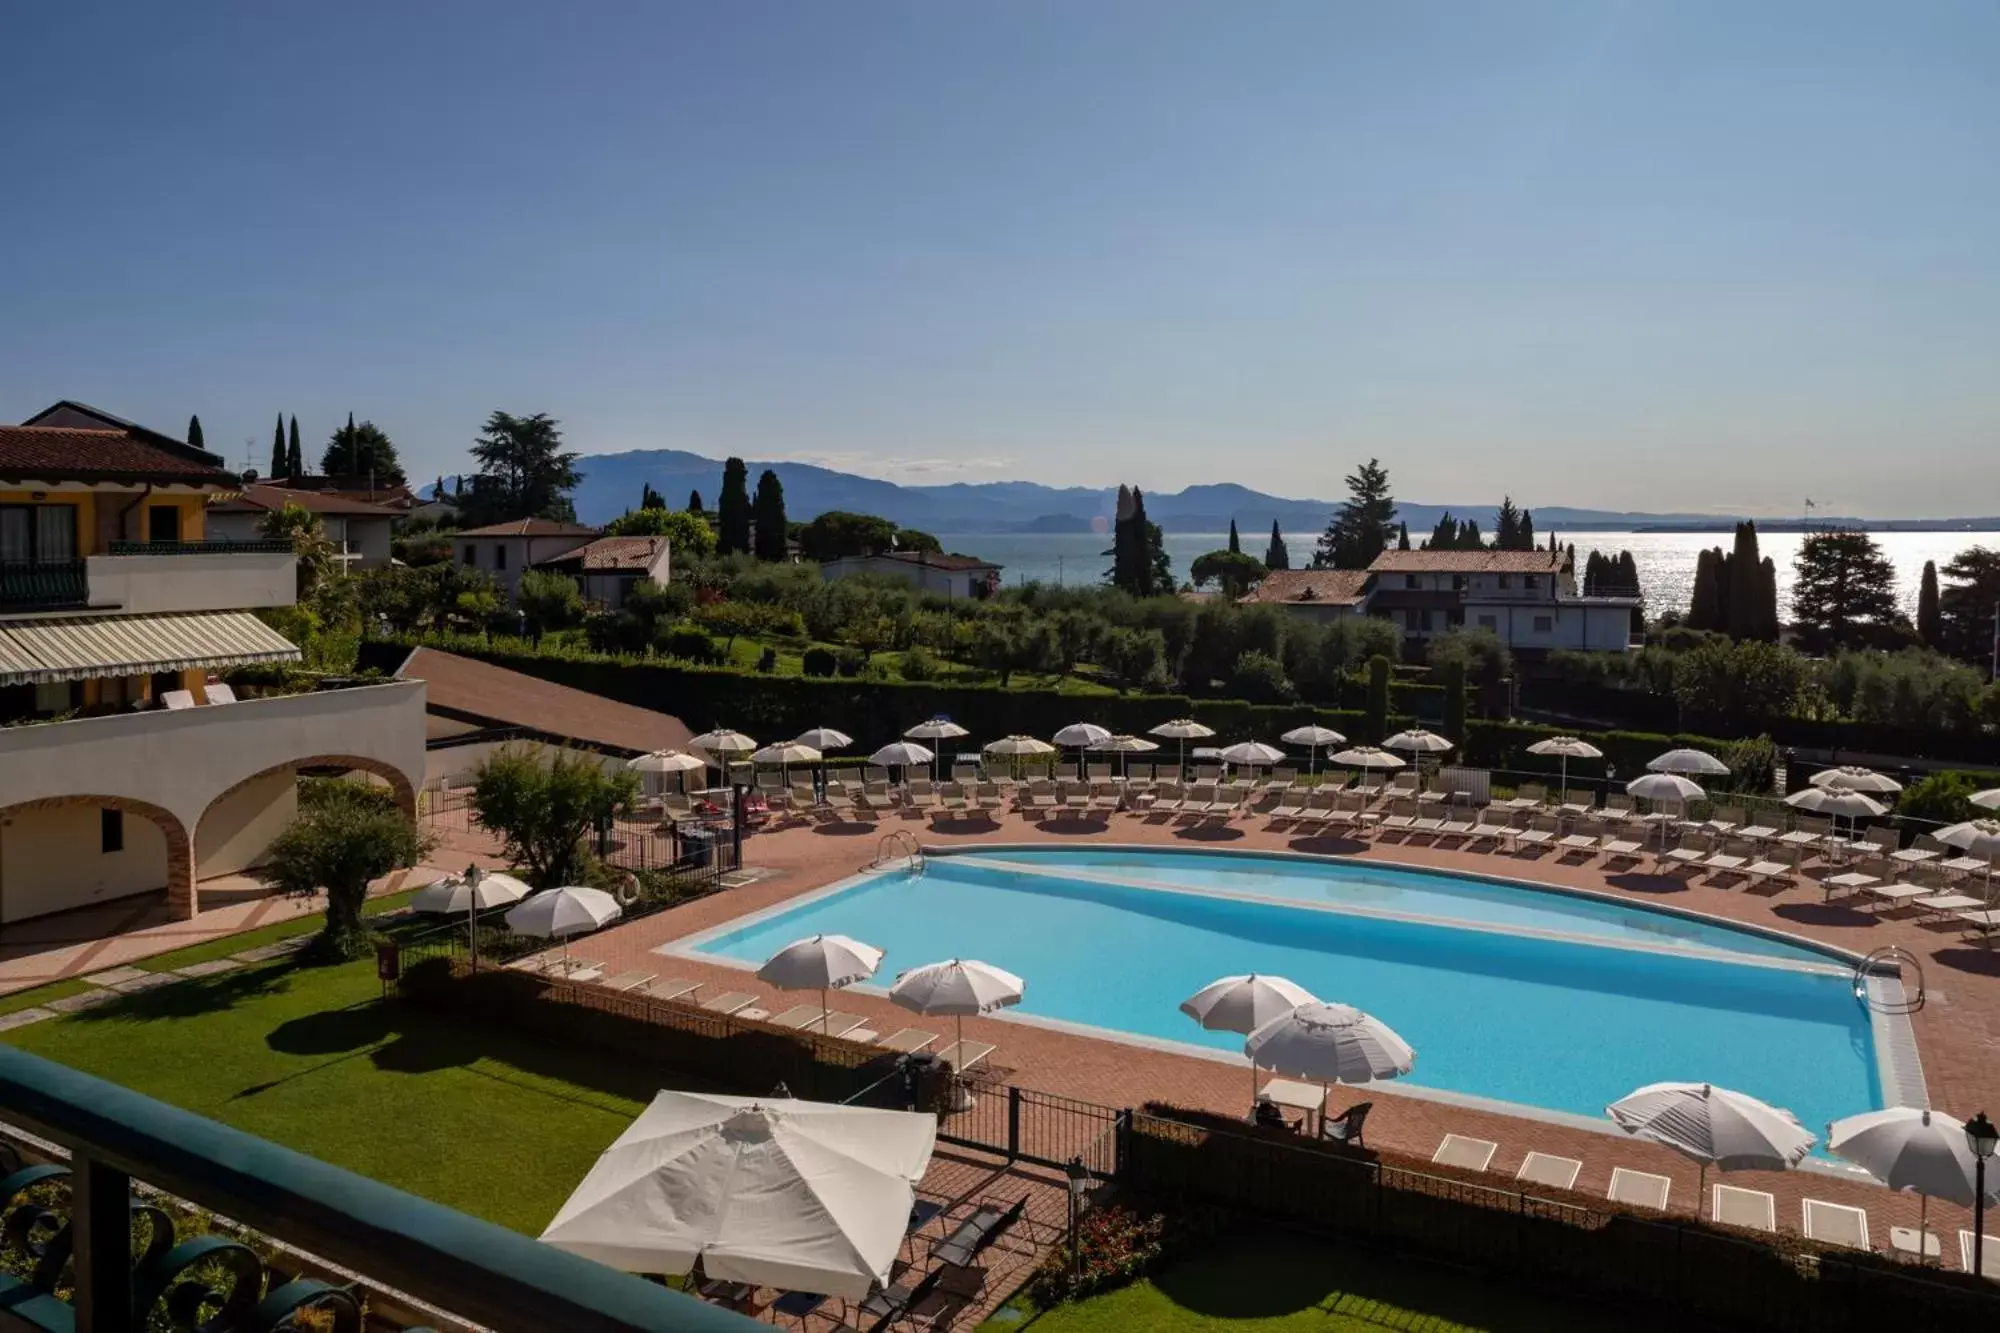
x=1290, y=1092
x=1904, y=1240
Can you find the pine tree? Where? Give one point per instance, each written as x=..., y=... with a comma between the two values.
x=1235, y=542
x=694, y=502
x=1930, y=621
x=1468, y=536
x=362, y=451
x=768, y=511
x=295, y=461
x=1443, y=536
x=278, y=464
x=1275, y=555
x=1360, y=530
x=1507, y=526
x=194, y=432
x=1843, y=593
x=733, y=509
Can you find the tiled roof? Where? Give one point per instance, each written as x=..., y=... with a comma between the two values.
x=63, y=453
x=499, y=697
x=261, y=499
x=1538, y=561
x=529, y=527
x=609, y=553
x=1321, y=587
x=932, y=559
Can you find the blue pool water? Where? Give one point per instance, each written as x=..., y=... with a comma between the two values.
x=1567, y=1024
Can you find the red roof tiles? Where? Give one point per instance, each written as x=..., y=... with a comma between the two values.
x=62, y=453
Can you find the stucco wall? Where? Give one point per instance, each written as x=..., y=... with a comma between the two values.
x=204, y=581
x=51, y=860
x=240, y=827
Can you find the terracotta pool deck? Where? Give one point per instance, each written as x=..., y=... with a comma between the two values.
x=1957, y=1030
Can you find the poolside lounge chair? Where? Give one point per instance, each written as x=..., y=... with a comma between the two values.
x=1640, y=1189
x=1895, y=895
x=1293, y=805
x=1981, y=924
x=1467, y=1153
x=1541, y=834
x=729, y=1002
x=1584, y=837
x=673, y=988
x=1167, y=798
x=891, y=1304
x=1989, y=1253
x=977, y=1233
x=1734, y=1206
x=963, y=1055
x=1540, y=1168
x=1346, y=1127
x=1836, y=1224
x=1040, y=797
x=1104, y=797
x=907, y=1041
x=1621, y=844
x=1782, y=864
x=1729, y=858
x=989, y=798
x=628, y=981
x=1402, y=815
x=1494, y=825
x=1951, y=904
x=1907, y=1240
x=1694, y=849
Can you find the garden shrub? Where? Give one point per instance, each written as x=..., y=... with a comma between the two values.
x=689, y=644
x=1115, y=1245
x=850, y=662
x=819, y=662
x=919, y=664
x=767, y=661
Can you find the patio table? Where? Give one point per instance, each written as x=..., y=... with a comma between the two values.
x=1290, y=1092
x=1757, y=832
x=1849, y=880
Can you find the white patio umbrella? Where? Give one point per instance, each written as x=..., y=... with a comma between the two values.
x=802, y=1196
x=1689, y=763
x=1365, y=757
x=903, y=754
x=823, y=739
x=1314, y=738
x=1670, y=788
x=1976, y=838
x=1252, y=754
x=785, y=754
x=1182, y=729
x=1852, y=777
x=1849, y=805
x=1714, y=1127
x=1419, y=743
x=1909, y=1148
x=1986, y=800
x=1084, y=736
x=1333, y=1043
x=667, y=761
x=1569, y=747
x=939, y=728
x=1244, y=1004
x=473, y=892
x=573, y=909
x=957, y=987
x=821, y=963
x=720, y=744
x=1019, y=747
x=1124, y=746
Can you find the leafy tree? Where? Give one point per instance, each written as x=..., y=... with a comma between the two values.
x=1843, y=593
x=295, y=461
x=650, y=498
x=345, y=835
x=1235, y=542
x=915, y=539
x=1941, y=798
x=1275, y=555
x=686, y=534
x=194, y=432
x=733, y=620
x=1930, y=619
x=1478, y=653
x=1236, y=572
x=694, y=502
x=278, y=448
x=302, y=528
x=543, y=803
x=1454, y=702
x=768, y=513
x=524, y=471
x=1261, y=679
x=549, y=600
x=1741, y=684
x=732, y=510
x=1378, y=697
x=1966, y=604
x=837, y=534
x=1363, y=525
x=362, y=451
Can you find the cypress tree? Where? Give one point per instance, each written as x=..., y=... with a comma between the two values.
x=694, y=502
x=1235, y=542
x=295, y=463
x=768, y=509
x=1742, y=614
x=1275, y=555
x=1930, y=621
x=1705, y=607
x=1402, y=536
x=1526, y=538
x=278, y=448
x=194, y=432
x=1378, y=697
x=733, y=509
x=1454, y=701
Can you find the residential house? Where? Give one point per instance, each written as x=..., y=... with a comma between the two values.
x=398, y=497
x=608, y=567
x=125, y=766
x=505, y=549
x=1315, y=594
x=360, y=531
x=930, y=571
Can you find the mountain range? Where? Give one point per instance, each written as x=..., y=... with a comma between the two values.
x=612, y=484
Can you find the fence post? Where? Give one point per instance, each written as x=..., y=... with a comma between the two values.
x=1121, y=1147
x=1013, y=1122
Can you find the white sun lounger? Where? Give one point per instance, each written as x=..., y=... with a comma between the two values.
x=1540, y=1168
x=837, y=1023
x=729, y=1002
x=971, y=1051
x=1904, y=1240
x=672, y=989
x=1617, y=846
x=907, y=1040
x=1945, y=904
x=1734, y=1206
x=1836, y=1224
x=1460, y=1151
x=1535, y=837
x=1989, y=1253
x=1895, y=894
x=1641, y=1189
x=630, y=980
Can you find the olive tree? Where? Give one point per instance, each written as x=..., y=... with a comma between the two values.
x=544, y=803
x=346, y=835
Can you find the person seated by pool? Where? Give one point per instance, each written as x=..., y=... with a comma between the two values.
x=1269, y=1116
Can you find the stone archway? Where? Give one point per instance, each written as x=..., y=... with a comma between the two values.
x=180, y=840
x=399, y=781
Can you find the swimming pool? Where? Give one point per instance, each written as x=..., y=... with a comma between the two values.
x=1545, y=1000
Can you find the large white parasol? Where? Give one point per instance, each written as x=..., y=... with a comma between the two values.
x=1714, y=1127
x=821, y=963
x=1244, y=1004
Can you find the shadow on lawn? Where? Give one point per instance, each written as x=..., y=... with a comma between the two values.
x=193, y=997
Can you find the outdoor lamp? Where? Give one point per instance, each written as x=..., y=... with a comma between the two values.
x=1983, y=1139
x=1981, y=1134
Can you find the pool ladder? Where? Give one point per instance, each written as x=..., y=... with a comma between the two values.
x=1890, y=958
x=899, y=845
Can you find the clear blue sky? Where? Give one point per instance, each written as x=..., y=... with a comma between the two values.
x=1668, y=254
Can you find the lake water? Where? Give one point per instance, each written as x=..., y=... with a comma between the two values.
x=1666, y=559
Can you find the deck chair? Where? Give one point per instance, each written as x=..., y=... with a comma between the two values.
x=1836, y=1224
x=906, y=1041
x=988, y=797
x=1346, y=1127
x=1640, y=1189
x=218, y=693
x=673, y=988
x=1694, y=849
x=628, y=981
x=1540, y=834
x=1989, y=1253
x=1466, y=1153
x=729, y=1002
x=1734, y=1206
x=1540, y=1168
x=963, y=1055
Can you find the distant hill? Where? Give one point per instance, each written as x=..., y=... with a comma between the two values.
x=612, y=483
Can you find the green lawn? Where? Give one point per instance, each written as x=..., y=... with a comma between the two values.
x=1289, y=1284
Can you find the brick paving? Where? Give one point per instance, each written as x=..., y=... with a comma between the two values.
x=1957, y=1031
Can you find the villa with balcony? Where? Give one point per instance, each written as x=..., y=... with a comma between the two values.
x=127, y=766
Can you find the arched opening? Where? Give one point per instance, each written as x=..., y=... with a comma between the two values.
x=59, y=853
x=239, y=825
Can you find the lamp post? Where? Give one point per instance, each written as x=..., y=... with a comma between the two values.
x=1079, y=1182
x=1983, y=1138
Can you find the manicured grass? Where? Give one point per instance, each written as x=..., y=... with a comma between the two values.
x=28, y=999
x=251, y=939
x=1289, y=1284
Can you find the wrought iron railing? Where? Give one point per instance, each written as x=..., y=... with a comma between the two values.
x=44, y=583
x=206, y=546
x=82, y=1251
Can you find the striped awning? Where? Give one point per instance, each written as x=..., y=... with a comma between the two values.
x=34, y=651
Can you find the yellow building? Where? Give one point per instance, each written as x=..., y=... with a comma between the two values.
x=126, y=765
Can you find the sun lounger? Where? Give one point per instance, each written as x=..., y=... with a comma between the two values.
x=1432, y=824
x=673, y=989
x=1982, y=923
x=1460, y=1151
x=729, y=1002
x=1965, y=865
x=1850, y=881
x=1905, y=1240
x=1836, y=1224
x=1950, y=904
x=1895, y=895
x=1293, y=807
x=629, y=980
x=892, y=1304
x=1640, y=1189
x=1535, y=837
x=1989, y=1253
x=1615, y=845
x=906, y=1041
x=1734, y=1206
x=963, y=1055
x=807, y=1018
x=977, y=1233
x=1760, y=871
x=1757, y=832
x=1725, y=862
x=1578, y=842
x=1540, y=1168
x=988, y=797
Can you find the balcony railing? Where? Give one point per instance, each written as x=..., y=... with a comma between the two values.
x=208, y=546
x=86, y=1210
x=43, y=584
